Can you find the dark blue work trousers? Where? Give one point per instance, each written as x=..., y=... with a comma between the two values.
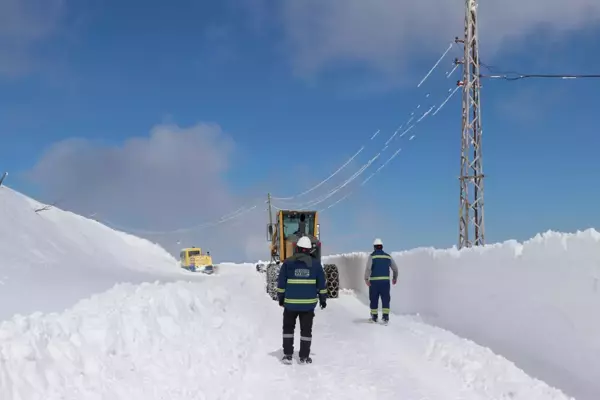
x=380, y=289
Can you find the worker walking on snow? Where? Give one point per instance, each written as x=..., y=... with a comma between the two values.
x=301, y=280
x=377, y=277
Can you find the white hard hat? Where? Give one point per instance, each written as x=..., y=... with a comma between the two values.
x=304, y=243
x=377, y=242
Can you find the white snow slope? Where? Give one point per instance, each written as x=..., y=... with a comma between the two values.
x=210, y=337
x=51, y=259
x=535, y=303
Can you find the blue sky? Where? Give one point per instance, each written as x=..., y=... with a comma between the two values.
x=228, y=100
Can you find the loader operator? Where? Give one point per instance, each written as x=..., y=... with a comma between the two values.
x=377, y=277
x=302, y=226
x=301, y=279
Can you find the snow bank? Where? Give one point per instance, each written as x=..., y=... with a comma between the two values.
x=536, y=303
x=51, y=259
x=152, y=341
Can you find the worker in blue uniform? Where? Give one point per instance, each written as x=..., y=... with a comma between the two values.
x=301, y=285
x=377, y=277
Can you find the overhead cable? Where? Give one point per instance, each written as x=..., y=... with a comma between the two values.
x=412, y=137
x=225, y=218
x=347, y=162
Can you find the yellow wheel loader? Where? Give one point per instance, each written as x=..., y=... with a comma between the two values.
x=283, y=235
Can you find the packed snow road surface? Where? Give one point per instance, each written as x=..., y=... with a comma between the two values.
x=219, y=337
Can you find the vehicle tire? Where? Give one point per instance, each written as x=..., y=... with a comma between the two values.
x=267, y=278
x=271, y=277
x=276, y=269
x=332, y=278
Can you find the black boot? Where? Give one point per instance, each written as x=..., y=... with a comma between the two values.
x=286, y=359
x=305, y=360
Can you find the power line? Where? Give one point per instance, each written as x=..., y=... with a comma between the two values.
x=396, y=153
x=346, y=163
x=328, y=178
x=433, y=110
x=246, y=209
x=507, y=77
x=209, y=224
x=436, y=64
x=321, y=199
x=515, y=75
x=369, y=163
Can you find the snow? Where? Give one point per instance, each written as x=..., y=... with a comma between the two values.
x=53, y=258
x=536, y=303
x=220, y=339
x=105, y=315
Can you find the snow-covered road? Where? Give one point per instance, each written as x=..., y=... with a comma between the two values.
x=354, y=359
x=219, y=337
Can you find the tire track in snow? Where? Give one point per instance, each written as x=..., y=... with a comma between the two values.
x=352, y=359
x=376, y=361
x=268, y=377
x=391, y=358
x=356, y=360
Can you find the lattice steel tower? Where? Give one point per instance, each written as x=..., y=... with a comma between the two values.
x=471, y=215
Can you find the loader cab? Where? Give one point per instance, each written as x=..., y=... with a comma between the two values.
x=289, y=226
x=299, y=223
x=294, y=223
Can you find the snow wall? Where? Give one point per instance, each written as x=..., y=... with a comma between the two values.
x=536, y=303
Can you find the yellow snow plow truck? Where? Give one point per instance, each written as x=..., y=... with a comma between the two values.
x=283, y=235
x=194, y=260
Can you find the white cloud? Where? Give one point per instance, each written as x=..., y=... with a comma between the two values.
x=24, y=24
x=175, y=178
x=384, y=34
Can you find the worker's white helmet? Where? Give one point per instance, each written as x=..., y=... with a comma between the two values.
x=304, y=243
x=377, y=242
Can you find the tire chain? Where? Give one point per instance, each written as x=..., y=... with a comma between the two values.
x=272, y=273
x=332, y=276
